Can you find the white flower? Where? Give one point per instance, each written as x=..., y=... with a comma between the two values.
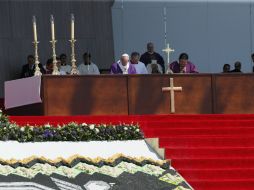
x=31, y=127
x=22, y=129
x=97, y=130
x=125, y=128
x=83, y=124
x=1, y=112
x=91, y=126
x=59, y=126
x=11, y=125
x=104, y=125
x=47, y=125
x=137, y=130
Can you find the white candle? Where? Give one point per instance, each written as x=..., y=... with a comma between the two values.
x=34, y=29
x=72, y=26
x=52, y=28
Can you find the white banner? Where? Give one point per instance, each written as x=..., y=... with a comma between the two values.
x=22, y=92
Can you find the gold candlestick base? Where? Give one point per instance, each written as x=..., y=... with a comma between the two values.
x=74, y=71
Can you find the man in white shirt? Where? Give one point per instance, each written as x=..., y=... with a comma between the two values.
x=139, y=66
x=88, y=67
x=64, y=66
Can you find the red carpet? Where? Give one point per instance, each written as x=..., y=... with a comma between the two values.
x=212, y=152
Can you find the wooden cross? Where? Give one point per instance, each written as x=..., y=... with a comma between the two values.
x=168, y=51
x=172, y=90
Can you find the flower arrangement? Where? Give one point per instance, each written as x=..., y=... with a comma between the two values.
x=67, y=132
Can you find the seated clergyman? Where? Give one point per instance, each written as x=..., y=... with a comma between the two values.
x=183, y=65
x=226, y=68
x=238, y=67
x=29, y=68
x=123, y=66
x=139, y=66
x=154, y=68
x=88, y=67
x=64, y=65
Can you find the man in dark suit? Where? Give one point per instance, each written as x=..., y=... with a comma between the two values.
x=149, y=57
x=29, y=68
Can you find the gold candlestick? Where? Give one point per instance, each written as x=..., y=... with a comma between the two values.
x=37, y=71
x=74, y=70
x=53, y=42
x=55, y=68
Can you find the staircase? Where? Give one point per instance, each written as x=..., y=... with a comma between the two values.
x=211, y=153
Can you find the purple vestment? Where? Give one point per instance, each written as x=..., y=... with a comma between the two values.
x=189, y=68
x=116, y=69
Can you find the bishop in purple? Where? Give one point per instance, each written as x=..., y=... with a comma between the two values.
x=183, y=65
x=123, y=66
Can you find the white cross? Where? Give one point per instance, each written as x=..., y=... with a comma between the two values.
x=168, y=50
x=172, y=90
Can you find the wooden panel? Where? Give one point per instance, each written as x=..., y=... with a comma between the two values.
x=146, y=97
x=234, y=93
x=89, y=95
x=145, y=94
x=196, y=97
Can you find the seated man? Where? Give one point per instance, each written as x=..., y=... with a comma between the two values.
x=151, y=55
x=139, y=66
x=88, y=67
x=154, y=68
x=58, y=64
x=183, y=66
x=226, y=68
x=50, y=66
x=238, y=67
x=123, y=66
x=64, y=66
x=29, y=68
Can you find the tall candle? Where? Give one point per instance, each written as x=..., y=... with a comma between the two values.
x=72, y=26
x=52, y=28
x=34, y=29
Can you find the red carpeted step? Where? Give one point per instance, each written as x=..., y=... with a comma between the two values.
x=223, y=184
x=196, y=124
x=207, y=141
x=154, y=120
x=199, y=131
x=205, y=152
x=211, y=163
x=217, y=174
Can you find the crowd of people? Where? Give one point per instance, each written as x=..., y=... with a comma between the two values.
x=149, y=62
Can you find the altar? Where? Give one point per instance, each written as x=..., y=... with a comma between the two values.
x=141, y=94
